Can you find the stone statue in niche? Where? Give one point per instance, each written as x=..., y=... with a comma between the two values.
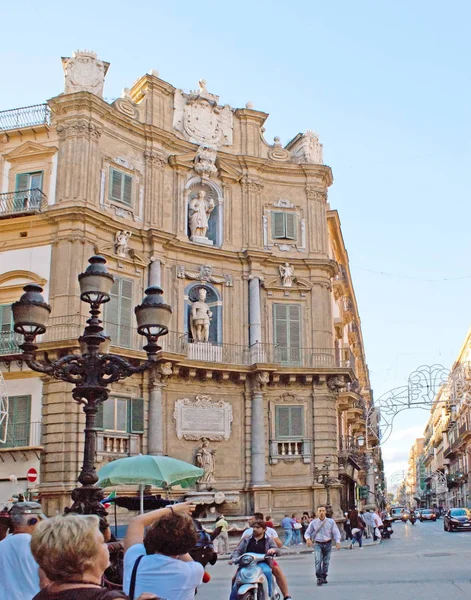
x=121, y=243
x=205, y=460
x=84, y=72
x=200, y=318
x=287, y=275
x=200, y=209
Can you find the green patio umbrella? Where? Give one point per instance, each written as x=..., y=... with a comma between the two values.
x=145, y=469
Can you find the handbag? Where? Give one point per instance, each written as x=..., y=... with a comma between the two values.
x=297, y=526
x=132, y=585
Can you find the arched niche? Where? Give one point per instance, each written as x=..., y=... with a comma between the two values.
x=213, y=300
x=215, y=222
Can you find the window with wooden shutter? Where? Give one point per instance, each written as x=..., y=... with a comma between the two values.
x=287, y=332
x=120, y=186
x=18, y=422
x=118, y=318
x=136, y=415
x=28, y=181
x=289, y=421
x=6, y=318
x=283, y=225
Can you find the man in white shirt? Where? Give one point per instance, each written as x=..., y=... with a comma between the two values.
x=18, y=569
x=378, y=525
x=320, y=532
x=276, y=569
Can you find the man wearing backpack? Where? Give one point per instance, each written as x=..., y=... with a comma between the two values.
x=320, y=533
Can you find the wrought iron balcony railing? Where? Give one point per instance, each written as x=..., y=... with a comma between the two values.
x=22, y=203
x=23, y=435
x=10, y=343
x=26, y=116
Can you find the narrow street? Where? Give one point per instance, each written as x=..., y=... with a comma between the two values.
x=420, y=561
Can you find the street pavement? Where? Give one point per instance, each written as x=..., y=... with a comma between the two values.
x=420, y=561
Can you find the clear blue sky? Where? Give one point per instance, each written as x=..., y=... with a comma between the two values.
x=385, y=84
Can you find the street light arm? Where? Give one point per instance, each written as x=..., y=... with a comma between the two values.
x=113, y=368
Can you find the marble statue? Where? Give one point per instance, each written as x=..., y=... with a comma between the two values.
x=205, y=460
x=200, y=318
x=199, y=213
x=286, y=274
x=121, y=242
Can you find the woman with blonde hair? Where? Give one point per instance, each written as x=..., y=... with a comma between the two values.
x=72, y=553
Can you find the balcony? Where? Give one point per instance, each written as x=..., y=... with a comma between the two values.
x=290, y=450
x=118, y=444
x=27, y=202
x=9, y=343
x=27, y=116
x=22, y=435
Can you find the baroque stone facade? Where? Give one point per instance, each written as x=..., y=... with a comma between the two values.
x=176, y=190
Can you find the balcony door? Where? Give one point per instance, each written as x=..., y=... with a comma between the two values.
x=28, y=191
x=287, y=333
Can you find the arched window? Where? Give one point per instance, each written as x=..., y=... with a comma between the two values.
x=213, y=195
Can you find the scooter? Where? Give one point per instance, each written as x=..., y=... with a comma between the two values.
x=412, y=518
x=251, y=581
x=387, y=530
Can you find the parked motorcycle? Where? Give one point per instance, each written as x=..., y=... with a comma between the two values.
x=250, y=579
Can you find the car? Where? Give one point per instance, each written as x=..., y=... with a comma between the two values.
x=397, y=513
x=457, y=518
x=427, y=514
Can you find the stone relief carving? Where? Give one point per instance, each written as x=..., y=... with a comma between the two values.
x=205, y=273
x=307, y=149
x=203, y=417
x=84, y=72
x=199, y=118
x=204, y=161
x=335, y=383
x=277, y=152
x=204, y=459
x=199, y=211
x=79, y=127
x=123, y=162
x=286, y=274
x=284, y=247
x=283, y=204
x=200, y=318
x=121, y=242
x=315, y=194
x=156, y=159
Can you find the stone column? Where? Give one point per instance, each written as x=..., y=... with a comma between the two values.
x=155, y=423
x=258, y=430
x=370, y=479
x=155, y=273
x=255, y=316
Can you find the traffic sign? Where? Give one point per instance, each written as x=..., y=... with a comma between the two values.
x=32, y=475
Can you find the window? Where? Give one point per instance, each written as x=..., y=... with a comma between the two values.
x=283, y=225
x=18, y=422
x=120, y=187
x=287, y=332
x=28, y=191
x=6, y=318
x=289, y=422
x=123, y=415
x=29, y=181
x=118, y=313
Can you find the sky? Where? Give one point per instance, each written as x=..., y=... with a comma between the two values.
x=386, y=85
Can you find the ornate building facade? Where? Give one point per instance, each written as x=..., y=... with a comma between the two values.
x=264, y=360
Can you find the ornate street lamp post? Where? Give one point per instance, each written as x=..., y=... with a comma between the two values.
x=322, y=476
x=94, y=369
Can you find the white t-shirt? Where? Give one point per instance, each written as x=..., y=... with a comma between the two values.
x=377, y=520
x=271, y=533
x=164, y=576
x=18, y=570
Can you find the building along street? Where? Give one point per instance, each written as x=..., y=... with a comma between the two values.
x=418, y=562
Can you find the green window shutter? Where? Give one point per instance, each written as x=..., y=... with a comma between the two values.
x=125, y=313
x=36, y=180
x=278, y=225
x=280, y=325
x=290, y=226
x=18, y=422
x=111, y=312
x=136, y=415
x=116, y=185
x=99, y=417
x=294, y=332
x=6, y=318
x=297, y=421
x=127, y=189
x=22, y=182
x=282, y=421
x=289, y=421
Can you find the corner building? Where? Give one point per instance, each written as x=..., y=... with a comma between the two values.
x=177, y=190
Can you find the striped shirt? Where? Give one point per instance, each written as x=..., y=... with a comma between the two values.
x=329, y=530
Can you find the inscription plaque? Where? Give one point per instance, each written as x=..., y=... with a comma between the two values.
x=203, y=417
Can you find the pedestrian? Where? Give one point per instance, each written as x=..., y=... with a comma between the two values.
x=347, y=528
x=296, y=526
x=222, y=540
x=18, y=568
x=71, y=551
x=369, y=523
x=357, y=526
x=268, y=521
x=378, y=522
x=165, y=566
x=304, y=524
x=321, y=532
x=287, y=525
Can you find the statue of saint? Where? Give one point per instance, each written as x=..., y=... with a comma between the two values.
x=121, y=242
x=286, y=274
x=200, y=318
x=205, y=460
x=200, y=210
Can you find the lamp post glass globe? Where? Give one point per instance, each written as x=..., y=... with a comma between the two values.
x=153, y=316
x=360, y=441
x=31, y=312
x=96, y=282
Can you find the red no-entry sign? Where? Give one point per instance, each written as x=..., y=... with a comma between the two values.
x=32, y=475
